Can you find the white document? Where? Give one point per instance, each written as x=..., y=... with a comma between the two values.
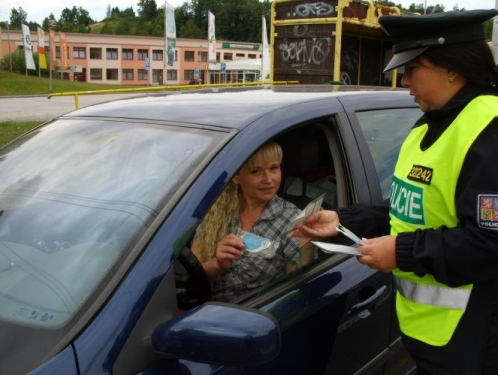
x=334, y=248
x=311, y=208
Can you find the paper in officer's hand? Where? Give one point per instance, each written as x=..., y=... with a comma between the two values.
x=334, y=248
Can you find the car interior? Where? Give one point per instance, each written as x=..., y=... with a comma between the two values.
x=307, y=167
x=308, y=170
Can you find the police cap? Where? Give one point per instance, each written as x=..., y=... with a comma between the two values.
x=413, y=34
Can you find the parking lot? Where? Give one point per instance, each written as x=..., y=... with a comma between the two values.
x=40, y=108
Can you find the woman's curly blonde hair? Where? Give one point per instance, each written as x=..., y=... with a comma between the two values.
x=216, y=223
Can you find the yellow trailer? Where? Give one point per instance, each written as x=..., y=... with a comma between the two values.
x=330, y=41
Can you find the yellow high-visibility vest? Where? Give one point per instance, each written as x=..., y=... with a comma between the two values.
x=423, y=196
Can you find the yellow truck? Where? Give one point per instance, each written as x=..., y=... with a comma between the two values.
x=330, y=41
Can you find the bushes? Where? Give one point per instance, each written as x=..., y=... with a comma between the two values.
x=19, y=64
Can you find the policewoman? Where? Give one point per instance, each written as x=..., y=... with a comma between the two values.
x=439, y=234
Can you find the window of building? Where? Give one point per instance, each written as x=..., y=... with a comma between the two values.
x=79, y=52
x=95, y=74
x=111, y=54
x=188, y=75
x=176, y=55
x=157, y=55
x=58, y=52
x=227, y=56
x=189, y=55
x=202, y=56
x=127, y=54
x=142, y=54
x=240, y=55
x=251, y=56
x=142, y=75
x=95, y=53
x=217, y=57
x=127, y=75
x=172, y=75
x=111, y=74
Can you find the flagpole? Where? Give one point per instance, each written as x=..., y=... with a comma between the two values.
x=51, y=45
x=165, y=75
x=8, y=39
x=39, y=65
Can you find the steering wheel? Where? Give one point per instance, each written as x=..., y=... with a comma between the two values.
x=192, y=284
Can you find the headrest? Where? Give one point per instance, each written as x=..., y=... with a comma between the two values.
x=301, y=153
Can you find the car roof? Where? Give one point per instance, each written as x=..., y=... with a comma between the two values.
x=227, y=107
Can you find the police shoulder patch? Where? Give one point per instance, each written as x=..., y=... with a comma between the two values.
x=487, y=211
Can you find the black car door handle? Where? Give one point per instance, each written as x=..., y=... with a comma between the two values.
x=363, y=308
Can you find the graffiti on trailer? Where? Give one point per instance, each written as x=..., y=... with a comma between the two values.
x=319, y=8
x=306, y=50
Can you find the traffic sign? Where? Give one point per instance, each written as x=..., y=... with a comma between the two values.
x=223, y=67
x=147, y=63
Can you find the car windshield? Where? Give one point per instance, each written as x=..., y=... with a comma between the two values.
x=74, y=197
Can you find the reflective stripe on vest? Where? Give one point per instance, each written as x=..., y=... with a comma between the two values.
x=435, y=295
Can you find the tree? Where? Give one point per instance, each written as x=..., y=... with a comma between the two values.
x=50, y=23
x=190, y=30
x=128, y=13
x=147, y=9
x=76, y=20
x=17, y=18
x=414, y=8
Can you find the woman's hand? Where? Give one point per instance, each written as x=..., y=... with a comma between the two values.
x=229, y=249
x=320, y=224
x=379, y=253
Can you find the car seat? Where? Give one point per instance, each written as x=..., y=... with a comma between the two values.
x=306, y=161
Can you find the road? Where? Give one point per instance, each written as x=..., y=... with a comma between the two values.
x=40, y=108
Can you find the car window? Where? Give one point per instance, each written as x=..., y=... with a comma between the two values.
x=74, y=198
x=384, y=132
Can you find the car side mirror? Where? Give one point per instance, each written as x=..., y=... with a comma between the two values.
x=220, y=333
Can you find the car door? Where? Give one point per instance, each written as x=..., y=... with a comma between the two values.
x=339, y=319
x=336, y=315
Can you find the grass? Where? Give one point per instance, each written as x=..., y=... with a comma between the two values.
x=12, y=129
x=20, y=84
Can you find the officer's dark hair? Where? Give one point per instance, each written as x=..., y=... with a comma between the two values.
x=472, y=60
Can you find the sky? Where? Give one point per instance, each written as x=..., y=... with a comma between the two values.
x=37, y=10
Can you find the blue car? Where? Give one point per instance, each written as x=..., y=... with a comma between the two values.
x=98, y=208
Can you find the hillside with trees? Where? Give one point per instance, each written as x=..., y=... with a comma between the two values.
x=236, y=20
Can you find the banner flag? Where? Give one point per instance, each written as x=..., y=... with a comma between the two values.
x=63, y=51
x=28, y=48
x=42, y=59
x=211, y=42
x=265, y=57
x=169, y=34
x=51, y=44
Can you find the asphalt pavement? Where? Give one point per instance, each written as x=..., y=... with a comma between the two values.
x=40, y=108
